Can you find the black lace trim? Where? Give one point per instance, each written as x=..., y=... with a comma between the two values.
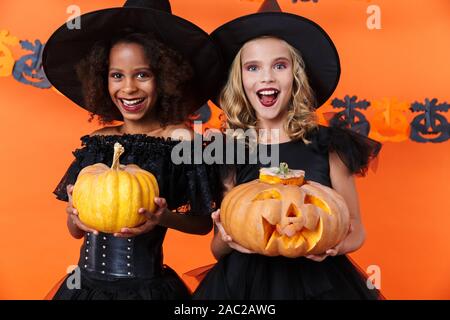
x=189, y=188
x=355, y=150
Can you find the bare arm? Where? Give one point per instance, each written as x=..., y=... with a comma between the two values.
x=76, y=232
x=219, y=247
x=186, y=223
x=344, y=183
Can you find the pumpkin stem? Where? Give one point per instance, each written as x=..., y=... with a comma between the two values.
x=284, y=168
x=118, y=150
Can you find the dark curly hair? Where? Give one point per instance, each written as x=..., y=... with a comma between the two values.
x=173, y=75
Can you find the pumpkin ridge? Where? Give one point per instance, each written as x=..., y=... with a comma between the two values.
x=146, y=193
x=235, y=195
x=108, y=197
x=227, y=199
x=123, y=187
x=239, y=214
x=154, y=188
x=93, y=200
x=135, y=202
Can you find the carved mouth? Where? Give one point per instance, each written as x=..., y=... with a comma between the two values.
x=272, y=235
x=301, y=225
x=295, y=233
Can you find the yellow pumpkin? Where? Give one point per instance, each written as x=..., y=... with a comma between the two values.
x=108, y=199
x=281, y=214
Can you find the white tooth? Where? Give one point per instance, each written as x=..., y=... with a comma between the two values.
x=268, y=92
x=132, y=102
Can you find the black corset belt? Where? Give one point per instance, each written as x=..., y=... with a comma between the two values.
x=106, y=256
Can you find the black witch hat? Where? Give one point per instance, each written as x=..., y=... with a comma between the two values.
x=67, y=47
x=321, y=58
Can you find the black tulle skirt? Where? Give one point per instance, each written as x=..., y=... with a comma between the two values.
x=168, y=286
x=252, y=276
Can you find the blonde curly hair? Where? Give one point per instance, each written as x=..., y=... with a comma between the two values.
x=241, y=115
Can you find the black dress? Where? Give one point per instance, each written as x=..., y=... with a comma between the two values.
x=132, y=268
x=254, y=276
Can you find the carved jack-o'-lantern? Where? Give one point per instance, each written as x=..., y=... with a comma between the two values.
x=280, y=214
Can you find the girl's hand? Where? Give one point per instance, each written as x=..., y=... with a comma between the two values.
x=225, y=237
x=153, y=220
x=73, y=213
x=338, y=249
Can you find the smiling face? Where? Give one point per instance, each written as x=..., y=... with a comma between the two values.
x=267, y=77
x=131, y=82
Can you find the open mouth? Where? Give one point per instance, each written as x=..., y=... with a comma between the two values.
x=268, y=97
x=132, y=105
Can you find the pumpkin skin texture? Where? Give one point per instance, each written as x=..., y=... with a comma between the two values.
x=108, y=199
x=274, y=218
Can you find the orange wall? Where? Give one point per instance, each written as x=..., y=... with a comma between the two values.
x=405, y=204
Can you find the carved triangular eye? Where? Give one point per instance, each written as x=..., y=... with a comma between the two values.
x=310, y=199
x=268, y=194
